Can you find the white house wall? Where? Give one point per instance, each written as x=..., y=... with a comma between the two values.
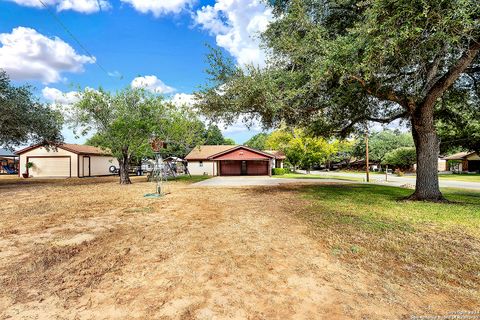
x=42, y=152
x=208, y=168
x=99, y=165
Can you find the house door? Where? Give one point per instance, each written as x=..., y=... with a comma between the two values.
x=244, y=168
x=86, y=166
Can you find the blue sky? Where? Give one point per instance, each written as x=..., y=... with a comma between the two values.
x=159, y=44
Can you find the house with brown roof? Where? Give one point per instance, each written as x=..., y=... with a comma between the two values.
x=65, y=161
x=228, y=160
x=464, y=162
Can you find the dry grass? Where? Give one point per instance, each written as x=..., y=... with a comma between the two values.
x=92, y=249
x=428, y=246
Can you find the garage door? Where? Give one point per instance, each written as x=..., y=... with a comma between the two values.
x=257, y=168
x=50, y=167
x=230, y=168
x=473, y=165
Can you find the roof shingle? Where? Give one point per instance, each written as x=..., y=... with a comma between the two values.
x=204, y=152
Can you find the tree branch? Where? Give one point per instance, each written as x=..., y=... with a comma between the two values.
x=432, y=73
x=389, y=94
x=447, y=80
x=389, y=119
x=379, y=120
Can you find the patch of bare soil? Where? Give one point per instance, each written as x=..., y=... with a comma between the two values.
x=92, y=249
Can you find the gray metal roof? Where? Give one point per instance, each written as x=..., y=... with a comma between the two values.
x=6, y=153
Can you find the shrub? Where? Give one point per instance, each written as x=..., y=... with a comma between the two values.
x=401, y=158
x=278, y=171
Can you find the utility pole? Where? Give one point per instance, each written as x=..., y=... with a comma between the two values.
x=367, y=163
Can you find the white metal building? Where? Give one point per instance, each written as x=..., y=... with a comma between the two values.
x=64, y=161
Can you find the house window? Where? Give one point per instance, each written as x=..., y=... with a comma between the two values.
x=201, y=164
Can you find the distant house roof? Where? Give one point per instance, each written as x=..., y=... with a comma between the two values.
x=276, y=153
x=6, y=153
x=208, y=152
x=458, y=156
x=75, y=148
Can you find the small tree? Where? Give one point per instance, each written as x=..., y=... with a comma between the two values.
x=126, y=121
x=403, y=158
x=382, y=142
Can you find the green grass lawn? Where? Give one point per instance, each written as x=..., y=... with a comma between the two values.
x=362, y=171
x=422, y=243
x=318, y=176
x=190, y=179
x=461, y=177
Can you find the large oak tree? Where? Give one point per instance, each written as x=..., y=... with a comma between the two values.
x=336, y=65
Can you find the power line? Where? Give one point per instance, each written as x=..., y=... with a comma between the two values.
x=74, y=38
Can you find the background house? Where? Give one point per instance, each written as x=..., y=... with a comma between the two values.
x=227, y=160
x=464, y=162
x=8, y=162
x=65, y=160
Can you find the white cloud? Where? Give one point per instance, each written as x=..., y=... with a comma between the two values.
x=152, y=84
x=26, y=54
x=58, y=97
x=115, y=74
x=159, y=7
x=83, y=6
x=236, y=24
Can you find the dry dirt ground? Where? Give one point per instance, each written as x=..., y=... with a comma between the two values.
x=92, y=249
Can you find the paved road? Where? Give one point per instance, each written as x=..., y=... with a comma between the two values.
x=374, y=178
x=399, y=181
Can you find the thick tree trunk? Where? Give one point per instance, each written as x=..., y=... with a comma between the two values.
x=427, y=147
x=124, y=163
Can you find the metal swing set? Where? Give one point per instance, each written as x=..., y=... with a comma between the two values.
x=162, y=170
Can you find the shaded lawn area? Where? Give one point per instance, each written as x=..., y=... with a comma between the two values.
x=422, y=243
x=317, y=176
x=461, y=177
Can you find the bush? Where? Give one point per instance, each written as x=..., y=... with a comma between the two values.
x=278, y=171
x=403, y=157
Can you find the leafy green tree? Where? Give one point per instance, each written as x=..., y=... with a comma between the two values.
x=381, y=143
x=25, y=120
x=345, y=151
x=458, y=125
x=402, y=158
x=229, y=141
x=126, y=121
x=302, y=149
x=336, y=65
x=213, y=135
x=258, y=141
